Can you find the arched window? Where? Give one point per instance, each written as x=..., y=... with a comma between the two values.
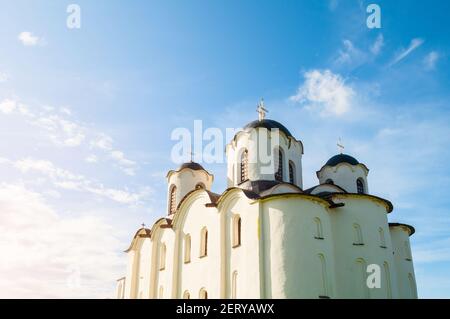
x=329, y=181
x=387, y=275
x=161, y=292
x=162, y=257
x=173, y=200
x=323, y=282
x=234, y=285
x=361, y=283
x=360, y=186
x=187, y=248
x=244, y=166
x=382, y=238
x=186, y=295
x=204, y=242
x=407, y=250
x=291, y=172
x=279, y=172
x=318, y=230
x=358, y=235
x=203, y=294
x=236, y=231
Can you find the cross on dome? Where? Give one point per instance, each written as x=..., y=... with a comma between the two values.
x=340, y=146
x=261, y=110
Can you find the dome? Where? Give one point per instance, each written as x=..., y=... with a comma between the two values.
x=192, y=165
x=268, y=124
x=342, y=158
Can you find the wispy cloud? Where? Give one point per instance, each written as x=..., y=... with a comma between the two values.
x=63, y=130
x=377, y=45
x=7, y=106
x=414, y=44
x=430, y=60
x=325, y=92
x=28, y=39
x=3, y=77
x=67, y=180
x=47, y=255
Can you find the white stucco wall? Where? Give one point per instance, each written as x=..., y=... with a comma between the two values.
x=407, y=288
x=185, y=181
x=259, y=169
x=351, y=260
x=345, y=176
x=280, y=255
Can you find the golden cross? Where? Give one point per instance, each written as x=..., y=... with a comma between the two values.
x=340, y=145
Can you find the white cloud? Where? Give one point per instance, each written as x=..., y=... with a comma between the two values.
x=67, y=180
x=415, y=43
x=103, y=142
x=326, y=92
x=350, y=55
x=28, y=39
x=91, y=159
x=7, y=106
x=377, y=45
x=430, y=60
x=65, y=131
x=46, y=255
x=3, y=77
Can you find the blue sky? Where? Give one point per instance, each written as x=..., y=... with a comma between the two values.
x=86, y=117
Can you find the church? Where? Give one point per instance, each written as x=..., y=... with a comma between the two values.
x=266, y=236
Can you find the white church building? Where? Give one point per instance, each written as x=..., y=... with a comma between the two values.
x=266, y=236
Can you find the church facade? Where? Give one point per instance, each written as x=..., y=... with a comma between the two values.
x=266, y=236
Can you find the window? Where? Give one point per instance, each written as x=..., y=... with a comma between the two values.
x=203, y=294
x=329, y=181
x=407, y=250
x=279, y=172
x=186, y=295
x=319, y=231
x=323, y=281
x=236, y=231
x=187, y=249
x=244, y=166
x=162, y=257
x=360, y=186
x=234, y=285
x=291, y=172
x=358, y=235
x=382, y=238
x=361, y=284
x=387, y=275
x=172, y=200
x=204, y=242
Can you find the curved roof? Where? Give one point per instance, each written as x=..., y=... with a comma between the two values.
x=192, y=165
x=342, y=158
x=410, y=228
x=268, y=124
x=189, y=165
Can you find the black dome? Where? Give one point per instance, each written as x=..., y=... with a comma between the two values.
x=192, y=165
x=342, y=158
x=268, y=124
